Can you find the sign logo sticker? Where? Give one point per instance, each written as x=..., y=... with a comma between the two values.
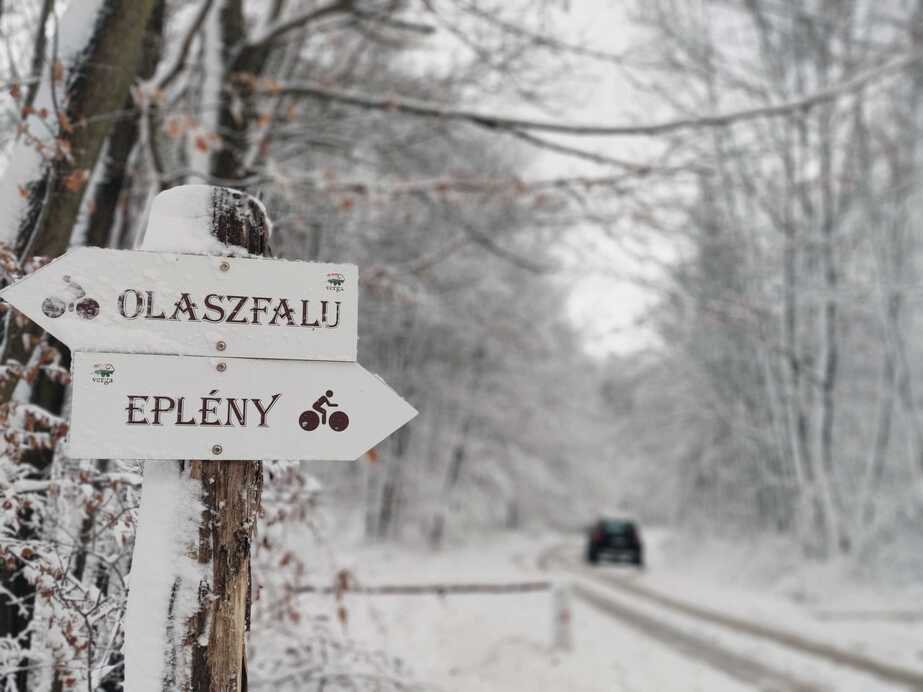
x=102, y=373
x=335, y=281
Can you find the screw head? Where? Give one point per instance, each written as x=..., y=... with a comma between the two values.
x=217, y=449
x=221, y=345
x=221, y=367
x=224, y=266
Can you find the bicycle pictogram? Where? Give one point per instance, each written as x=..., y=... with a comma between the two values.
x=316, y=416
x=55, y=306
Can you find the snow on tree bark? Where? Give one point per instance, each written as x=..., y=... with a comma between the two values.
x=78, y=31
x=42, y=188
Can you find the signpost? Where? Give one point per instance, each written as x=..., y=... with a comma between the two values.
x=94, y=299
x=216, y=358
x=162, y=407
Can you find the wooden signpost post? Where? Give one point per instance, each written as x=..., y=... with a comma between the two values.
x=219, y=358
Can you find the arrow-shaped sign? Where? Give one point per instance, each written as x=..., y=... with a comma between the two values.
x=141, y=406
x=95, y=299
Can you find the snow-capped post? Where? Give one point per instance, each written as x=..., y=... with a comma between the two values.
x=198, y=347
x=189, y=592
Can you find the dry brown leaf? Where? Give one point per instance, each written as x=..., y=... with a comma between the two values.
x=64, y=148
x=77, y=179
x=173, y=127
x=65, y=123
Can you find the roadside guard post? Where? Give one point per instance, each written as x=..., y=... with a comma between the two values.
x=200, y=347
x=562, y=619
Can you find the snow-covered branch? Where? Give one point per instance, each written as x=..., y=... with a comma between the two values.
x=498, y=121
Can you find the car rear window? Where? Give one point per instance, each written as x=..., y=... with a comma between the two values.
x=618, y=526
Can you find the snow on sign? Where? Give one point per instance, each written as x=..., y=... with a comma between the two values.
x=142, y=406
x=95, y=299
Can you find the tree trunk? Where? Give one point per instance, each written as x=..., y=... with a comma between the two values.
x=98, y=88
x=828, y=337
x=98, y=85
x=122, y=141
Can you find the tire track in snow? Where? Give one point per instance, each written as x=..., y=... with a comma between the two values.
x=863, y=664
x=739, y=667
x=803, y=645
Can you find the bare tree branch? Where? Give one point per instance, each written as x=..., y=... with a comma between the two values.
x=180, y=62
x=432, y=589
x=493, y=121
x=385, y=19
x=38, y=55
x=536, y=38
x=283, y=26
x=472, y=185
x=558, y=148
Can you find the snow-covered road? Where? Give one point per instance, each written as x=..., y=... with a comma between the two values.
x=753, y=651
x=747, y=670
x=625, y=638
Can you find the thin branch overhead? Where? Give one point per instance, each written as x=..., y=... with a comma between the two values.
x=298, y=21
x=472, y=185
x=538, y=39
x=494, y=121
x=179, y=63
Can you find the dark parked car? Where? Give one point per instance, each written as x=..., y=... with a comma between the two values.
x=615, y=539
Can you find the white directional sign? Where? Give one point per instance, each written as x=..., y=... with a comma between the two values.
x=94, y=299
x=141, y=406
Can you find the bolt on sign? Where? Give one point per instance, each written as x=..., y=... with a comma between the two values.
x=142, y=406
x=96, y=299
x=204, y=357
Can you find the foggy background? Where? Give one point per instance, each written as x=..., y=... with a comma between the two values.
x=647, y=259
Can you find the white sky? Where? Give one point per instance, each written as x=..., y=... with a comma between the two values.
x=606, y=309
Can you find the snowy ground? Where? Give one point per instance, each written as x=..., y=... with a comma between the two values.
x=474, y=643
x=831, y=603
